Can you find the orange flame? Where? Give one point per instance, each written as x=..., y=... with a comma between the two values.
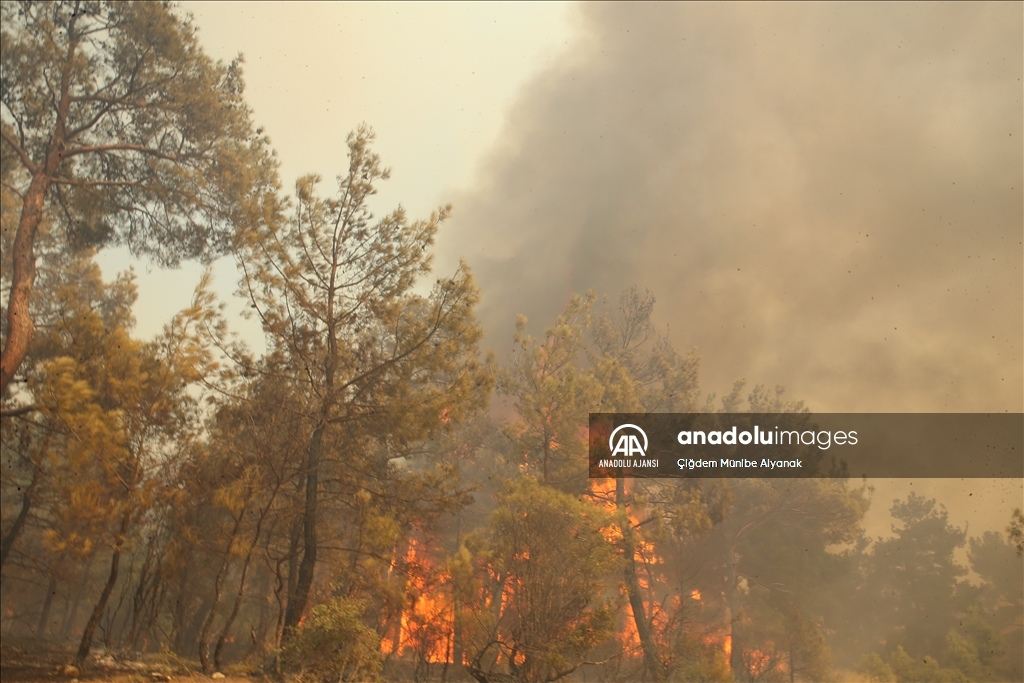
x=426, y=627
x=758, y=661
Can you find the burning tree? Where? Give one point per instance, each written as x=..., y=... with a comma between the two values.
x=542, y=606
x=376, y=366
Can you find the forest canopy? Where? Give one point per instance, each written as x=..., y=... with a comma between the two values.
x=375, y=496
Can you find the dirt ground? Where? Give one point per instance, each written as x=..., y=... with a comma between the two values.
x=33, y=662
x=21, y=674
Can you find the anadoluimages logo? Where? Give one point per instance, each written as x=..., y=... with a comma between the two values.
x=628, y=444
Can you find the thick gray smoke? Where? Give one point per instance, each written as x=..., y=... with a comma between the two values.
x=823, y=196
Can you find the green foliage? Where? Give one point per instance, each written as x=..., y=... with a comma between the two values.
x=776, y=570
x=998, y=564
x=972, y=652
x=994, y=622
x=875, y=669
x=334, y=292
x=915, y=576
x=157, y=148
x=376, y=367
x=333, y=644
x=923, y=670
x=546, y=553
x=553, y=396
x=122, y=131
x=106, y=395
x=1015, y=530
x=701, y=663
x=803, y=644
x=637, y=366
x=978, y=650
x=116, y=413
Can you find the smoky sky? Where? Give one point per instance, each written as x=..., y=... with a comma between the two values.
x=822, y=196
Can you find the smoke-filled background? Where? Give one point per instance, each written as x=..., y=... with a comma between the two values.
x=824, y=196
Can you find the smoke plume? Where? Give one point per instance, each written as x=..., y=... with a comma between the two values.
x=823, y=196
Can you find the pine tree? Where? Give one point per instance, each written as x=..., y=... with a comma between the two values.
x=377, y=365
x=123, y=131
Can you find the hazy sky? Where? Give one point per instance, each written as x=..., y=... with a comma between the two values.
x=824, y=196
x=434, y=80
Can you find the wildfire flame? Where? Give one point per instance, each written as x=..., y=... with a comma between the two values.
x=758, y=662
x=426, y=626
x=425, y=629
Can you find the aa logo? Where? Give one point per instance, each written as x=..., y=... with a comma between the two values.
x=628, y=444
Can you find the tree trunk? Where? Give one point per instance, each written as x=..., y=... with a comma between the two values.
x=238, y=600
x=732, y=600
x=179, y=614
x=19, y=522
x=279, y=588
x=636, y=600
x=101, y=605
x=218, y=650
x=458, y=646
x=72, y=611
x=146, y=591
x=23, y=259
x=44, y=617
x=304, y=581
x=204, y=632
x=23, y=276
x=218, y=591
x=241, y=586
x=547, y=459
